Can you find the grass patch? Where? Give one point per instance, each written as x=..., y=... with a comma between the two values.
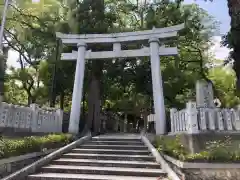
x=16, y=147
x=216, y=151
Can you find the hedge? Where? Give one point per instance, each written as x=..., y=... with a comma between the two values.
x=216, y=151
x=16, y=147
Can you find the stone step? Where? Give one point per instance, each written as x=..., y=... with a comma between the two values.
x=138, y=143
x=107, y=163
x=103, y=170
x=111, y=151
x=116, y=139
x=122, y=147
x=109, y=157
x=62, y=176
x=123, y=137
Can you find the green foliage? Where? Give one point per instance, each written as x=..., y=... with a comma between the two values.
x=216, y=151
x=225, y=86
x=16, y=147
x=171, y=147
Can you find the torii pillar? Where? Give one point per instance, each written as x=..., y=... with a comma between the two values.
x=77, y=90
x=157, y=86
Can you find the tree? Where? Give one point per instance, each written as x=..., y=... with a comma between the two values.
x=30, y=80
x=14, y=94
x=224, y=82
x=232, y=39
x=30, y=31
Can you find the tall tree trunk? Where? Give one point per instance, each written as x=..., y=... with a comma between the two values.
x=54, y=77
x=62, y=95
x=29, y=98
x=94, y=104
x=234, y=11
x=97, y=20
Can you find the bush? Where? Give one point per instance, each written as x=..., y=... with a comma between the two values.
x=216, y=151
x=171, y=147
x=16, y=147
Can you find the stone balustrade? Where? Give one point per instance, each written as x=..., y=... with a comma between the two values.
x=30, y=119
x=193, y=119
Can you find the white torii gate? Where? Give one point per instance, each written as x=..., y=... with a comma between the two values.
x=154, y=51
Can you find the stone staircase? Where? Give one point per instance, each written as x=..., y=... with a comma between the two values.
x=104, y=158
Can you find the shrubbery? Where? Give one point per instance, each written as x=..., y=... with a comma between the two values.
x=216, y=151
x=16, y=147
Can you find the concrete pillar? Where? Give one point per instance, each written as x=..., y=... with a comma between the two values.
x=160, y=120
x=77, y=90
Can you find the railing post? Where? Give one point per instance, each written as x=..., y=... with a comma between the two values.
x=236, y=119
x=212, y=119
x=34, y=122
x=227, y=119
x=173, y=119
x=125, y=123
x=203, y=119
x=59, y=113
x=192, y=120
x=4, y=114
x=220, y=124
x=116, y=124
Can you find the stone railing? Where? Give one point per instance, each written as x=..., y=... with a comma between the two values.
x=30, y=119
x=193, y=120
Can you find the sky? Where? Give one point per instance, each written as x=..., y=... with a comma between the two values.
x=218, y=9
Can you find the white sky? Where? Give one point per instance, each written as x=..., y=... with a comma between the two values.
x=217, y=50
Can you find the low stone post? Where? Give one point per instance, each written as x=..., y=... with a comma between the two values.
x=220, y=124
x=203, y=119
x=116, y=124
x=236, y=119
x=125, y=123
x=59, y=113
x=212, y=119
x=173, y=119
x=227, y=119
x=4, y=114
x=145, y=119
x=192, y=121
x=122, y=126
x=34, y=123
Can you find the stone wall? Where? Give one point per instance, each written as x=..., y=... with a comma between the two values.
x=209, y=174
x=204, y=171
x=196, y=120
x=12, y=164
x=196, y=143
x=29, y=119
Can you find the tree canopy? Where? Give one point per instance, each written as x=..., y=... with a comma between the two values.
x=119, y=85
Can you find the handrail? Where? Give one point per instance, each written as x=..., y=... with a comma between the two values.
x=159, y=158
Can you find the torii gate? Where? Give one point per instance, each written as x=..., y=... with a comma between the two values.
x=154, y=51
